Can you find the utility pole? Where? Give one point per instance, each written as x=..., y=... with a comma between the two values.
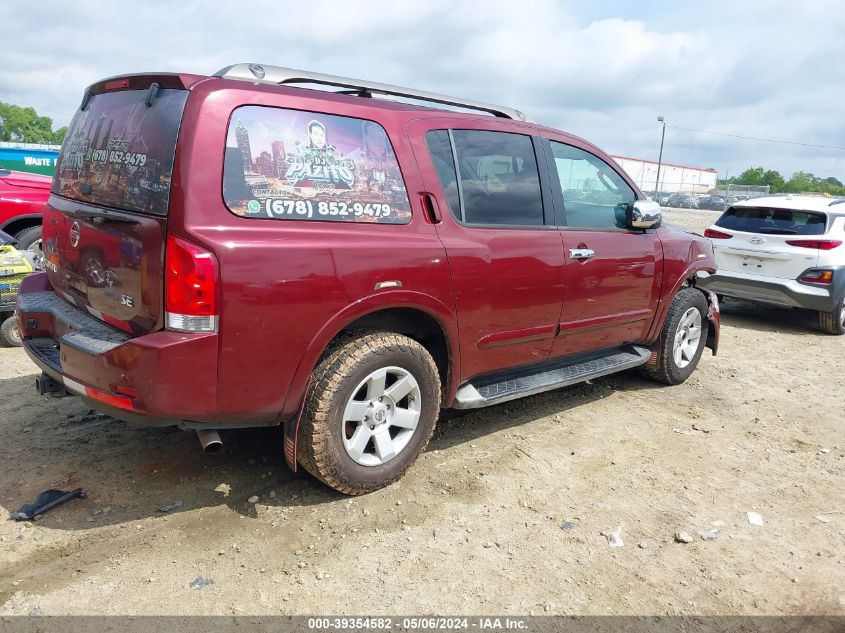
x=659, y=159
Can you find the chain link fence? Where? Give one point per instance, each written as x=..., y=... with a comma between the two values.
x=716, y=198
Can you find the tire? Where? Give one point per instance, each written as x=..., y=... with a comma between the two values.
x=344, y=388
x=30, y=239
x=833, y=322
x=10, y=336
x=663, y=365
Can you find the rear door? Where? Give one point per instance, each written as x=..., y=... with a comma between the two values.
x=105, y=223
x=505, y=256
x=612, y=285
x=766, y=241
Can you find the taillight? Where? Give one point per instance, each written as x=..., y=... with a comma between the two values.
x=823, y=245
x=817, y=276
x=117, y=84
x=190, y=287
x=717, y=235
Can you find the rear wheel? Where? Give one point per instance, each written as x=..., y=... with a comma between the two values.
x=833, y=322
x=10, y=336
x=677, y=352
x=369, y=413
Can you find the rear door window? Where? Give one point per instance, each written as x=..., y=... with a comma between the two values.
x=118, y=151
x=774, y=221
x=295, y=165
x=440, y=148
x=499, y=179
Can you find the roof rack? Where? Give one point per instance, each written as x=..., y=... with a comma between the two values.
x=277, y=75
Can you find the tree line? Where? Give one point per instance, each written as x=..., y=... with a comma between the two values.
x=24, y=125
x=800, y=182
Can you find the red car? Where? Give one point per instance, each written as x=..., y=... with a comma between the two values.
x=344, y=265
x=22, y=199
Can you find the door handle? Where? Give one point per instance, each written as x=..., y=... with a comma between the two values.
x=430, y=206
x=581, y=253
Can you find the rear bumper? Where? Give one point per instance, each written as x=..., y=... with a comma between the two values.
x=161, y=378
x=781, y=292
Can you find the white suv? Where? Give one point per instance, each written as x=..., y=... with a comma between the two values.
x=786, y=251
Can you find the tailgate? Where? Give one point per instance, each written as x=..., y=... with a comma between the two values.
x=105, y=223
x=764, y=255
x=107, y=261
x=760, y=242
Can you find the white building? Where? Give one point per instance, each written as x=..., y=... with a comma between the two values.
x=673, y=178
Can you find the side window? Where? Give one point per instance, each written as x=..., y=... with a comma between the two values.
x=295, y=165
x=594, y=195
x=500, y=183
x=440, y=148
x=497, y=178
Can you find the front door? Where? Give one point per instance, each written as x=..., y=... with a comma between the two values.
x=495, y=221
x=612, y=285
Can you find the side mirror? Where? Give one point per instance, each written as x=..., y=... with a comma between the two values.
x=644, y=214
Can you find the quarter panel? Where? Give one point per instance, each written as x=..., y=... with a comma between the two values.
x=282, y=281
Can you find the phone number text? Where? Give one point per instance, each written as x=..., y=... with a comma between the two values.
x=277, y=207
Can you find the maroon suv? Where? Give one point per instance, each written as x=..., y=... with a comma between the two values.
x=232, y=251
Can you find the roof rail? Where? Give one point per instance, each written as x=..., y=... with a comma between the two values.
x=837, y=201
x=258, y=73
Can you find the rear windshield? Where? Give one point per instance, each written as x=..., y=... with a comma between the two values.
x=774, y=221
x=119, y=151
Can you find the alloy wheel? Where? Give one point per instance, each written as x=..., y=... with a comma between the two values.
x=381, y=416
x=37, y=251
x=687, y=338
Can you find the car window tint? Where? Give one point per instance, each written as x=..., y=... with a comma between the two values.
x=440, y=149
x=500, y=183
x=296, y=165
x=119, y=151
x=775, y=221
x=594, y=195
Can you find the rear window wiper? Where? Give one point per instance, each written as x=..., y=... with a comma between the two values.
x=100, y=216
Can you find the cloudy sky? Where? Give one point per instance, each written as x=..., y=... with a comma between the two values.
x=602, y=70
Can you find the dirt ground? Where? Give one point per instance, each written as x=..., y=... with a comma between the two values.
x=503, y=514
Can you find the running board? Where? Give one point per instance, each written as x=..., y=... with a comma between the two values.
x=484, y=392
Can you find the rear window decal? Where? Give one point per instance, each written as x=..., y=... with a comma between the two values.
x=290, y=164
x=119, y=152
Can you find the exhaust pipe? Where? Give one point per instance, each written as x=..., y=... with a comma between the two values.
x=210, y=441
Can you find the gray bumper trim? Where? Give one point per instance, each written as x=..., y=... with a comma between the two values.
x=768, y=292
x=85, y=333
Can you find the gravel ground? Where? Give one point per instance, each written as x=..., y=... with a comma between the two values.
x=509, y=511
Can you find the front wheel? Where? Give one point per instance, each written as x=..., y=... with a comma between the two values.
x=369, y=412
x=833, y=322
x=677, y=352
